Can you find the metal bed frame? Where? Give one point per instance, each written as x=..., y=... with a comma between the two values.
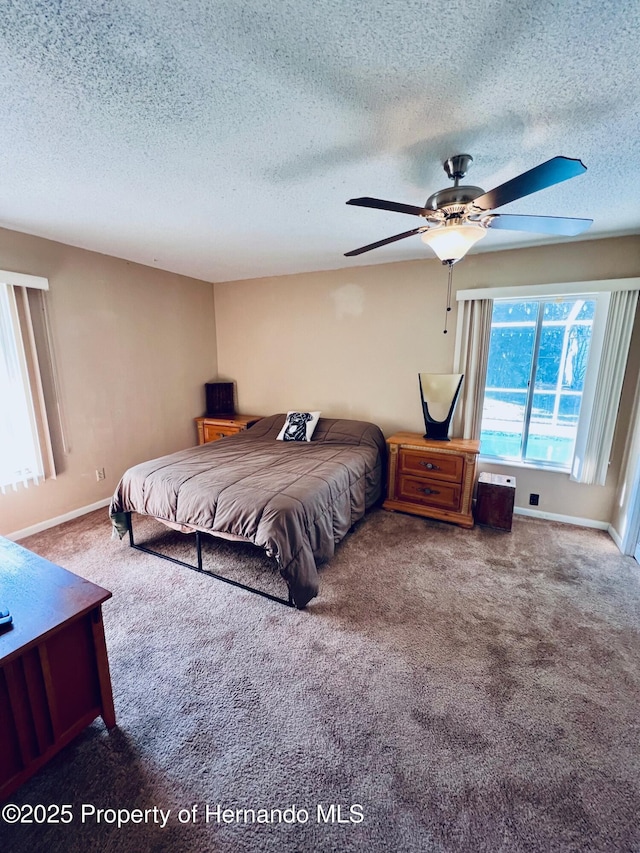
x=288, y=602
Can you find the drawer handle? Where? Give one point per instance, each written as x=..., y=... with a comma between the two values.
x=429, y=465
x=222, y=434
x=427, y=491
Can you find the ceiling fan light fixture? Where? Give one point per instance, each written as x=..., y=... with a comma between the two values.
x=452, y=242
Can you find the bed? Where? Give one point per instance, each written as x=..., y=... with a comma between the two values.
x=294, y=499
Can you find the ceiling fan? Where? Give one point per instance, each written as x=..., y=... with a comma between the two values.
x=458, y=216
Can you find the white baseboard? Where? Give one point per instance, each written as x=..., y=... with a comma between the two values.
x=565, y=519
x=613, y=533
x=53, y=522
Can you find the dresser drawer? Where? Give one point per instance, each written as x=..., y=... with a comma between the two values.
x=436, y=466
x=429, y=492
x=212, y=432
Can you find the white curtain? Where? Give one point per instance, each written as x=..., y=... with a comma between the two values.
x=473, y=335
x=25, y=444
x=591, y=460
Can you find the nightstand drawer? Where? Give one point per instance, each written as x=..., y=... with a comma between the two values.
x=214, y=428
x=436, y=466
x=212, y=432
x=429, y=492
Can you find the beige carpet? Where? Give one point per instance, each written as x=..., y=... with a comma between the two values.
x=467, y=690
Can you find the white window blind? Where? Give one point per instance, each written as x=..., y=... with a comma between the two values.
x=25, y=446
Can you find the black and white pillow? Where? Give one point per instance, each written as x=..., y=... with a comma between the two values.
x=298, y=426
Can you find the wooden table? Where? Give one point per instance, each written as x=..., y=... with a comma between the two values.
x=54, y=671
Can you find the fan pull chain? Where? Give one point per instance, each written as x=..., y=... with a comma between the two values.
x=446, y=316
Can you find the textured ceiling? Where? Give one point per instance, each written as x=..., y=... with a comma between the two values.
x=221, y=139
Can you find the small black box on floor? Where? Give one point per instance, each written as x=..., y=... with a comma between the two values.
x=494, y=501
x=219, y=396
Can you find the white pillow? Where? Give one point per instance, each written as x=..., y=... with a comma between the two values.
x=298, y=426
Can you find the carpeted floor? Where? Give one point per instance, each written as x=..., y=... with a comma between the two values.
x=460, y=690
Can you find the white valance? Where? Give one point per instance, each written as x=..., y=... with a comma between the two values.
x=20, y=279
x=534, y=291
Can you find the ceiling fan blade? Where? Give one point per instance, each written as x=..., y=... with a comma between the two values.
x=567, y=227
x=381, y=204
x=384, y=242
x=547, y=174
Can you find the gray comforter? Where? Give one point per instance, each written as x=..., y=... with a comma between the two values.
x=296, y=500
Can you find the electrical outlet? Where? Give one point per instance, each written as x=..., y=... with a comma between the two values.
x=100, y=475
x=534, y=499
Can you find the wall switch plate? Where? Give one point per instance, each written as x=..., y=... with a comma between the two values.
x=100, y=475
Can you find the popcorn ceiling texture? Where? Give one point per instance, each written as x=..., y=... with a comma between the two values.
x=221, y=139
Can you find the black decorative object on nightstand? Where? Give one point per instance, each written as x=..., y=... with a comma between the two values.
x=220, y=398
x=439, y=395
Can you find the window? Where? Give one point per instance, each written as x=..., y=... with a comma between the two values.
x=537, y=367
x=553, y=387
x=25, y=444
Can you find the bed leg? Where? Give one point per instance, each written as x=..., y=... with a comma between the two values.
x=130, y=527
x=199, y=550
x=293, y=604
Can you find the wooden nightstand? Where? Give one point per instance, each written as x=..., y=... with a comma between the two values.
x=432, y=478
x=214, y=428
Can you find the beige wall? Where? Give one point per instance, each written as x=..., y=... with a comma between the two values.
x=134, y=346
x=351, y=342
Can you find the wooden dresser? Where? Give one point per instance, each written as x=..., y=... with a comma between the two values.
x=432, y=478
x=216, y=427
x=54, y=672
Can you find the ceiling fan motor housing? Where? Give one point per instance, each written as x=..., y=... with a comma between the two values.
x=452, y=201
x=452, y=196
